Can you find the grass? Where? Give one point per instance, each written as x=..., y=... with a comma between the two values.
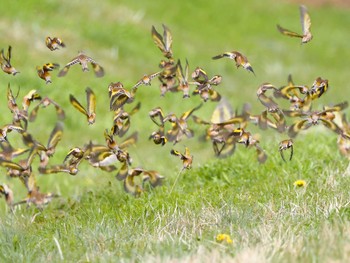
x=268, y=219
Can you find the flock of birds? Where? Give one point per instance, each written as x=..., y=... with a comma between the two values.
x=225, y=129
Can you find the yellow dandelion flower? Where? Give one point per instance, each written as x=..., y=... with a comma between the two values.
x=299, y=183
x=224, y=238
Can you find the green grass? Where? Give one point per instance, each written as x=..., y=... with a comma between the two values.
x=94, y=220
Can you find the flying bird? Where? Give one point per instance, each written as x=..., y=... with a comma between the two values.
x=306, y=36
x=44, y=71
x=239, y=58
x=5, y=62
x=90, y=111
x=186, y=158
x=163, y=42
x=54, y=43
x=83, y=60
x=284, y=145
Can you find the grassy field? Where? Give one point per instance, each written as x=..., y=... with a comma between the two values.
x=267, y=217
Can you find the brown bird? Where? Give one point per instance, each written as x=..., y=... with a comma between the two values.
x=44, y=71
x=179, y=125
x=186, y=158
x=284, y=145
x=5, y=62
x=83, y=60
x=54, y=43
x=8, y=194
x=249, y=141
x=37, y=198
x=306, y=36
x=118, y=96
x=239, y=58
x=43, y=104
x=134, y=188
x=182, y=76
x=319, y=87
x=90, y=110
x=121, y=120
x=268, y=102
x=145, y=80
x=311, y=118
x=8, y=128
x=163, y=42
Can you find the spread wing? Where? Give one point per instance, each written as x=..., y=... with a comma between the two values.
x=288, y=32
x=76, y=104
x=91, y=101
x=305, y=20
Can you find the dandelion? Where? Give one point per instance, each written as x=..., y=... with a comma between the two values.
x=299, y=183
x=224, y=238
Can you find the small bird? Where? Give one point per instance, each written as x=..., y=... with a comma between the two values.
x=239, y=58
x=37, y=198
x=8, y=194
x=179, y=125
x=55, y=137
x=319, y=87
x=54, y=43
x=90, y=111
x=158, y=137
x=5, y=62
x=44, y=71
x=163, y=42
x=145, y=80
x=311, y=118
x=83, y=60
x=186, y=158
x=182, y=76
x=8, y=152
x=8, y=128
x=121, y=120
x=306, y=36
x=118, y=96
x=44, y=103
x=284, y=145
x=268, y=102
x=249, y=141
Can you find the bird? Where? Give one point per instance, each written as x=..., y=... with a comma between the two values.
x=158, y=136
x=164, y=43
x=135, y=188
x=268, y=102
x=145, y=80
x=5, y=62
x=118, y=96
x=311, y=118
x=54, y=43
x=8, y=194
x=182, y=76
x=8, y=128
x=239, y=58
x=121, y=120
x=318, y=88
x=43, y=104
x=179, y=125
x=44, y=71
x=186, y=157
x=55, y=137
x=246, y=138
x=83, y=60
x=90, y=110
x=284, y=145
x=305, y=20
x=37, y=198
